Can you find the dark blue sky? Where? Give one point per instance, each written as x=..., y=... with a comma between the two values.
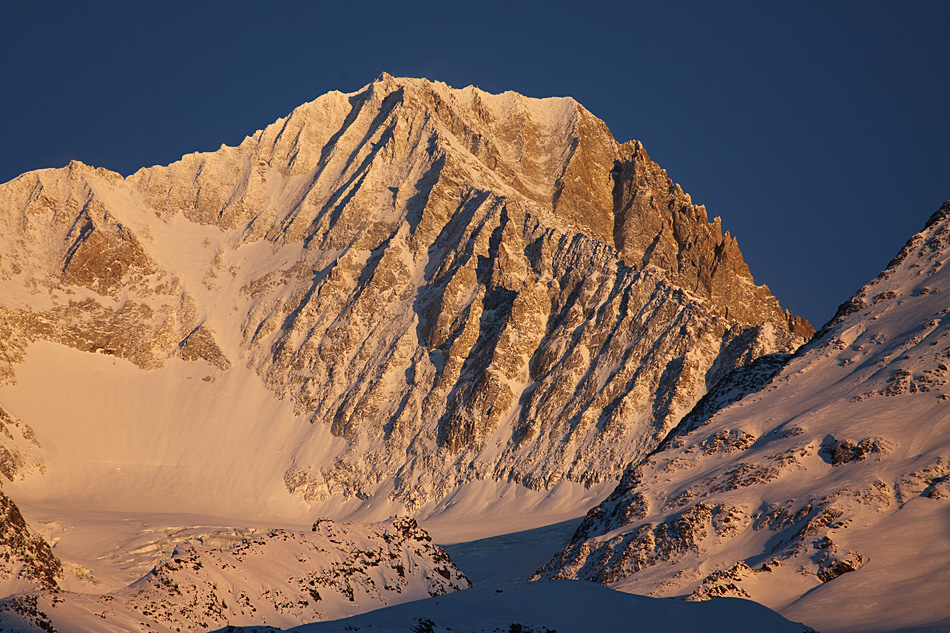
x=819, y=132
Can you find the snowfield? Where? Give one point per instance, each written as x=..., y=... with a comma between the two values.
x=563, y=606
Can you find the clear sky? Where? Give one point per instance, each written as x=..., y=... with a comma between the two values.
x=818, y=131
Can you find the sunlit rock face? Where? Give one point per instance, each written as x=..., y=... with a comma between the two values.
x=26, y=560
x=817, y=483
x=459, y=286
x=275, y=577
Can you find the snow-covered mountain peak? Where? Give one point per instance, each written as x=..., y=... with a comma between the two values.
x=409, y=299
x=451, y=286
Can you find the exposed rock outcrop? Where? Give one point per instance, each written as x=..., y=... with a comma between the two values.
x=281, y=578
x=656, y=223
x=26, y=560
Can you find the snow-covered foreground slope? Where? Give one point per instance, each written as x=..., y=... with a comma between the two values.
x=256, y=580
x=563, y=607
x=275, y=577
x=825, y=492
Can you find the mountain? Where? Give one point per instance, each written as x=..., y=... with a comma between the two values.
x=469, y=308
x=410, y=298
x=817, y=484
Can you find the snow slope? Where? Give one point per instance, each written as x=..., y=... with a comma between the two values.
x=562, y=606
x=823, y=493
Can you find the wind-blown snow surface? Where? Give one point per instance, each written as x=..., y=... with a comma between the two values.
x=562, y=607
x=824, y=494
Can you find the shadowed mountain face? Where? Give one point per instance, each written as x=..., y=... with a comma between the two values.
x=458, y=286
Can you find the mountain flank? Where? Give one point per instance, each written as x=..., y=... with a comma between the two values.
x=816, y=484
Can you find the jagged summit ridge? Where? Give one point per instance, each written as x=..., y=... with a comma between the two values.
x=451, y=286
x=512, y=141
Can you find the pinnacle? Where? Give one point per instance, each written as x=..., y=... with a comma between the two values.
x=939, y=214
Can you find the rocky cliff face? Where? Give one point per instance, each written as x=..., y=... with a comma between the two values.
x=656, y=223
x=815, y=484
x=26, y=560
x=460, y=286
